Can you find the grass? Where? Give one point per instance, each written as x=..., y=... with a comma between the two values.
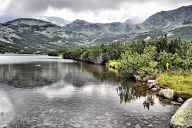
x=115, y=64
x=180, y=83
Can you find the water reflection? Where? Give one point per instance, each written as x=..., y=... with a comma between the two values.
x=58, y=89
x=6, y=108
x=149, y=101
x=65, y=94
x=63, y=77
x=29, y=75
x=130, y=90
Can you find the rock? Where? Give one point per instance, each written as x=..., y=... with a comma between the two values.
x=137, y=78
x=175, y=103
x=183, y=117
x=145, y=78
x=100, y=117
x=77, y=125
x=128, y=124
x=137, y=126
x=150, y=126
x=167, y=93
x=151, y=81
x=96, y=60
x=180, y=100
x=145, y=122
x=95, y=122
x=151, y=85
x=154, y=89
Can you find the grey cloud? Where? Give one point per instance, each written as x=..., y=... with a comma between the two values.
x=28, y=7
x=36, y=6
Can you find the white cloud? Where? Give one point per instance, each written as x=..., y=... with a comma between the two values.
x=3, y=5
x=127, y=11
x=89, y=10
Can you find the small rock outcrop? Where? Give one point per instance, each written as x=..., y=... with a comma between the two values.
x=180, y=100
x=154, y=89
x=96, y=60
x=141, y=79
x=183, y=117
x=167, y=93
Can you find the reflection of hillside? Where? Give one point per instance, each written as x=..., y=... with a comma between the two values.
x=65, y=77
x=44, y=73
x=101, y=72
x=31, y=75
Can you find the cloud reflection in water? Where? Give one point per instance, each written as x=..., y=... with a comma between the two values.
x=6, y=109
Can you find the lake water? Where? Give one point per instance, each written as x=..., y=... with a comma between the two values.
x=49, y=92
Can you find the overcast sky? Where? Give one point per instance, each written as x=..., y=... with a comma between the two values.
x=89, y=10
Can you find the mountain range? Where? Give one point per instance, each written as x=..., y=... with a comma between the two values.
x=27, y=35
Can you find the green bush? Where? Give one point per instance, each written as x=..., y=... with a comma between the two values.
x=138, y=64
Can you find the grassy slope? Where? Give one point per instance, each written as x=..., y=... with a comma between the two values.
x=181, y=83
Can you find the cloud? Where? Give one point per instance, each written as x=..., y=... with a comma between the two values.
x=36, y=6
x=31, y=8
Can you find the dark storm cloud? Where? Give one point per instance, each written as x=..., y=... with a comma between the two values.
x=17, y=7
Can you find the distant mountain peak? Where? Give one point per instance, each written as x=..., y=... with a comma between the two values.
x=28, y=35
x=55, y=20
x=132, y=21
x=170, y=18
x=80, y=21
x=129, y=21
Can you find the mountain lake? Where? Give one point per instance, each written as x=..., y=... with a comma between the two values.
x=51, y=92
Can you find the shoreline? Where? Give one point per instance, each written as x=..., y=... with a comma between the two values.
x=179, y=119
x=143, y=81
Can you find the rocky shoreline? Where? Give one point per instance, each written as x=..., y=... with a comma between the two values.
x=183, y=116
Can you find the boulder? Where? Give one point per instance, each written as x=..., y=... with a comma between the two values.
x=154, y=89
x=152, y=84
x=167, y=93
x=183, y=117
x=151, y=81
x=96, y=60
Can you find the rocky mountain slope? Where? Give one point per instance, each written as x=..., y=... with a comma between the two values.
x=37, y=36
x=173, y=18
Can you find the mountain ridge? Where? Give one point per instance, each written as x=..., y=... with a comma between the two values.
x=34, y=35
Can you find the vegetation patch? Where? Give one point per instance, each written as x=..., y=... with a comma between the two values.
x=181, y=83
x=168, y=60
x=115, y=64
